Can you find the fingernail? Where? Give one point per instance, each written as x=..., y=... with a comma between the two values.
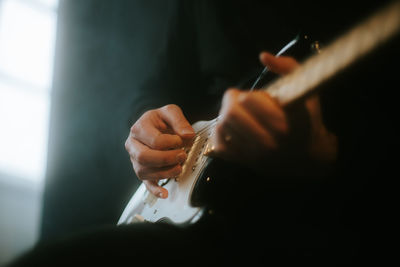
x=181, y=157
x=163, y=194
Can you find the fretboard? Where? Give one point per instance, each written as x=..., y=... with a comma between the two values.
x=347, y=49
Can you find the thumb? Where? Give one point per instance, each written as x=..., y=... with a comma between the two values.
x=279, y=65
x=173, y=116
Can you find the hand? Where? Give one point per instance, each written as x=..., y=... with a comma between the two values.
x=154, y=146
x=253, y=125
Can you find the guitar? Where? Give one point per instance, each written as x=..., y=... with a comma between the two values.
x=182, y=205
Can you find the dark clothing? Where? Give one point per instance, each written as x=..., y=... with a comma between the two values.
x=285, y=217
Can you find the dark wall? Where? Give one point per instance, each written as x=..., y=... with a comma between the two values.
x=104, y=50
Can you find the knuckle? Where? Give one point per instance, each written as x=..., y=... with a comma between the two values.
x=245, y=98
x=141, y=158
x=127, y=145
x=170, y=108
x=166, y=160
x=147, y=113
x=228, y=95
x=230, y=115
x=231, y=92
x=140, y=173
x=154, y=143
x=135, y=128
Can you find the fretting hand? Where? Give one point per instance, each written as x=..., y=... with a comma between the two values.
x=253, y=125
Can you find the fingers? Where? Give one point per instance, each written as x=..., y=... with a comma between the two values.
x=279, y=65
x=145, y=156
x=249, y=124
x=163, y=128
x=226, y=142
x=146, y=173
x=155, y=189
x=313, y=107
x=151, y=176
x=174, y=117
x=243, y=122
x=152, y=165
x=150, y=130
x=323, y=144
x=265, y=110
x=155, y=145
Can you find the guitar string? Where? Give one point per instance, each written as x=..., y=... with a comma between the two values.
x=260, y=76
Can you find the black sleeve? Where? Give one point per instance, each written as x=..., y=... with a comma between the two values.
x=172, y=74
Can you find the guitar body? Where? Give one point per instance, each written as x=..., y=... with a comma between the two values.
x=182, y=206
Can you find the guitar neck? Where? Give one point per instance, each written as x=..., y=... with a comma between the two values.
x=353, y=45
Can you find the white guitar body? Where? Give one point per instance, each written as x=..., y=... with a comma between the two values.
x=178, y=207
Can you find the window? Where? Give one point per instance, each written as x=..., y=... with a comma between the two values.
x=27, y=39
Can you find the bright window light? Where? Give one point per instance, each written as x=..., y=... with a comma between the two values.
x=27, y=38
x=47, y=3
x=26, y=42
x=24, y=124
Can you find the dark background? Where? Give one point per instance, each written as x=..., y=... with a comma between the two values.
x=100, y=63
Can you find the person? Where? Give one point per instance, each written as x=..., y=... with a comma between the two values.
x=251, y=125
x=285, y=199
